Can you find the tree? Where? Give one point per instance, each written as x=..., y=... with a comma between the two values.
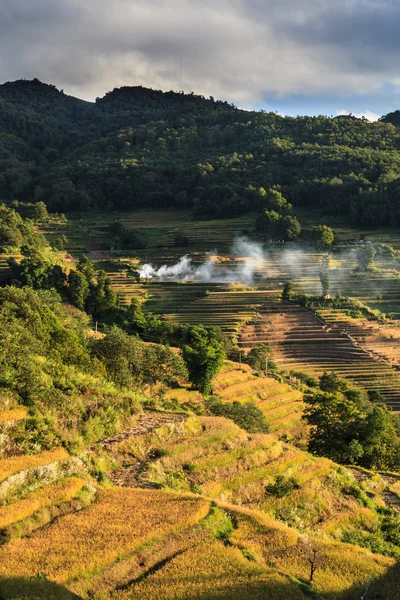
x=291, y=228
x=86, y=267
x=336, y=425
x=365, y=257
x=60, y=243
x=181, y=240
x=101, y=298
x=287, y=291
x=203, y=358
x=346, y=432
x=78, y=289
x=322, y=235
x=260, y=357
x=267, y=222
x=325, y=283
x=247, y=415
x=331, y=382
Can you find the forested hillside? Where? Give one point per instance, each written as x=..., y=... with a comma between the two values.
x=138, y=148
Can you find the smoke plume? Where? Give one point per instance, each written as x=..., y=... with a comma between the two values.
x=250, y=258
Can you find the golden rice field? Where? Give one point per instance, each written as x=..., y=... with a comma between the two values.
x=55, y=493
x=12, y=416
x=10, y=466
x=118, y=523
x=213, y=571
x=216, y=458
x=150, y=544
x=282, y=405
x=344, y=569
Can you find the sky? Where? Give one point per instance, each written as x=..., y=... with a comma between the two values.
x=290, y=56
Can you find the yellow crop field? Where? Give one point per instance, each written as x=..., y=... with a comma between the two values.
x=118, y=523
x=11, y=416
x=10, y=466
x=62, y=491
x=342, y=570
x=213, y=571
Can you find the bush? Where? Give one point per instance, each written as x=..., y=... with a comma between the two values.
x=181, y=240
x=247, y=416
x=282, y=487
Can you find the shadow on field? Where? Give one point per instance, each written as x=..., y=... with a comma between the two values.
x=34, y=588
x=386, y=587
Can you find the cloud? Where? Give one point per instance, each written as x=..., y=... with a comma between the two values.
x=240, y=50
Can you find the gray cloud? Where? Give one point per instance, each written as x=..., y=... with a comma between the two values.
x=235, y=49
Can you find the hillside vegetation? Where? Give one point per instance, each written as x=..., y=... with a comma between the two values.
x=194, y=440
x=138, y=147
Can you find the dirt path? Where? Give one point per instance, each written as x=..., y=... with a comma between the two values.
x=132, y=472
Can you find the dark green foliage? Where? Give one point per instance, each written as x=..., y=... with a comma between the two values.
x=126, y=239
x=78, y=289
x=261, y=358
x=248, y=416
x=129, y=361
x=203, y=357
x=48, y=364
x=287, y=291
x=36, y=211
x=325, y=283
x=331, y=382
x=282, y=487
x=348, y=431
x=373, y=541
x=60, y=243
x=140, y=148
x=181, y=240
x=305, y=378
x=365, y=257
x=16, y=232
x=321, y=235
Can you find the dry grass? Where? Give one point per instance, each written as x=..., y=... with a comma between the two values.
x=10, y=466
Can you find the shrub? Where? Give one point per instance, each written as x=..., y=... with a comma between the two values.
x=282, y=487
x=248, y=416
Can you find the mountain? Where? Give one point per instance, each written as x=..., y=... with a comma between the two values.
x=138, y=147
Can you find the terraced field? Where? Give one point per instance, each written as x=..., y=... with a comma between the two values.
x=380, y=338
x=90, y=234
x=302, y=342
x=281, y=405
x=65, y=537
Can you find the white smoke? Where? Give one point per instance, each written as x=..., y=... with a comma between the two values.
x=250, y=259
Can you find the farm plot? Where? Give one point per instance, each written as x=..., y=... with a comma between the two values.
x=381, y=339
x=228, y=307
x=301, y=342
x=216, y=458
x=90, y=233
x=281, y=405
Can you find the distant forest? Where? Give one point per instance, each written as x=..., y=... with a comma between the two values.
x=140, y=148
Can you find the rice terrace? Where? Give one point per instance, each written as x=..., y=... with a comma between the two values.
x=199, y=349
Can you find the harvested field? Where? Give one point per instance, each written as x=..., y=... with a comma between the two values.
x=301, y=342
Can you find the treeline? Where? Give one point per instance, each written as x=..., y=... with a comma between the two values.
x=139, y=148
x=350, y=429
